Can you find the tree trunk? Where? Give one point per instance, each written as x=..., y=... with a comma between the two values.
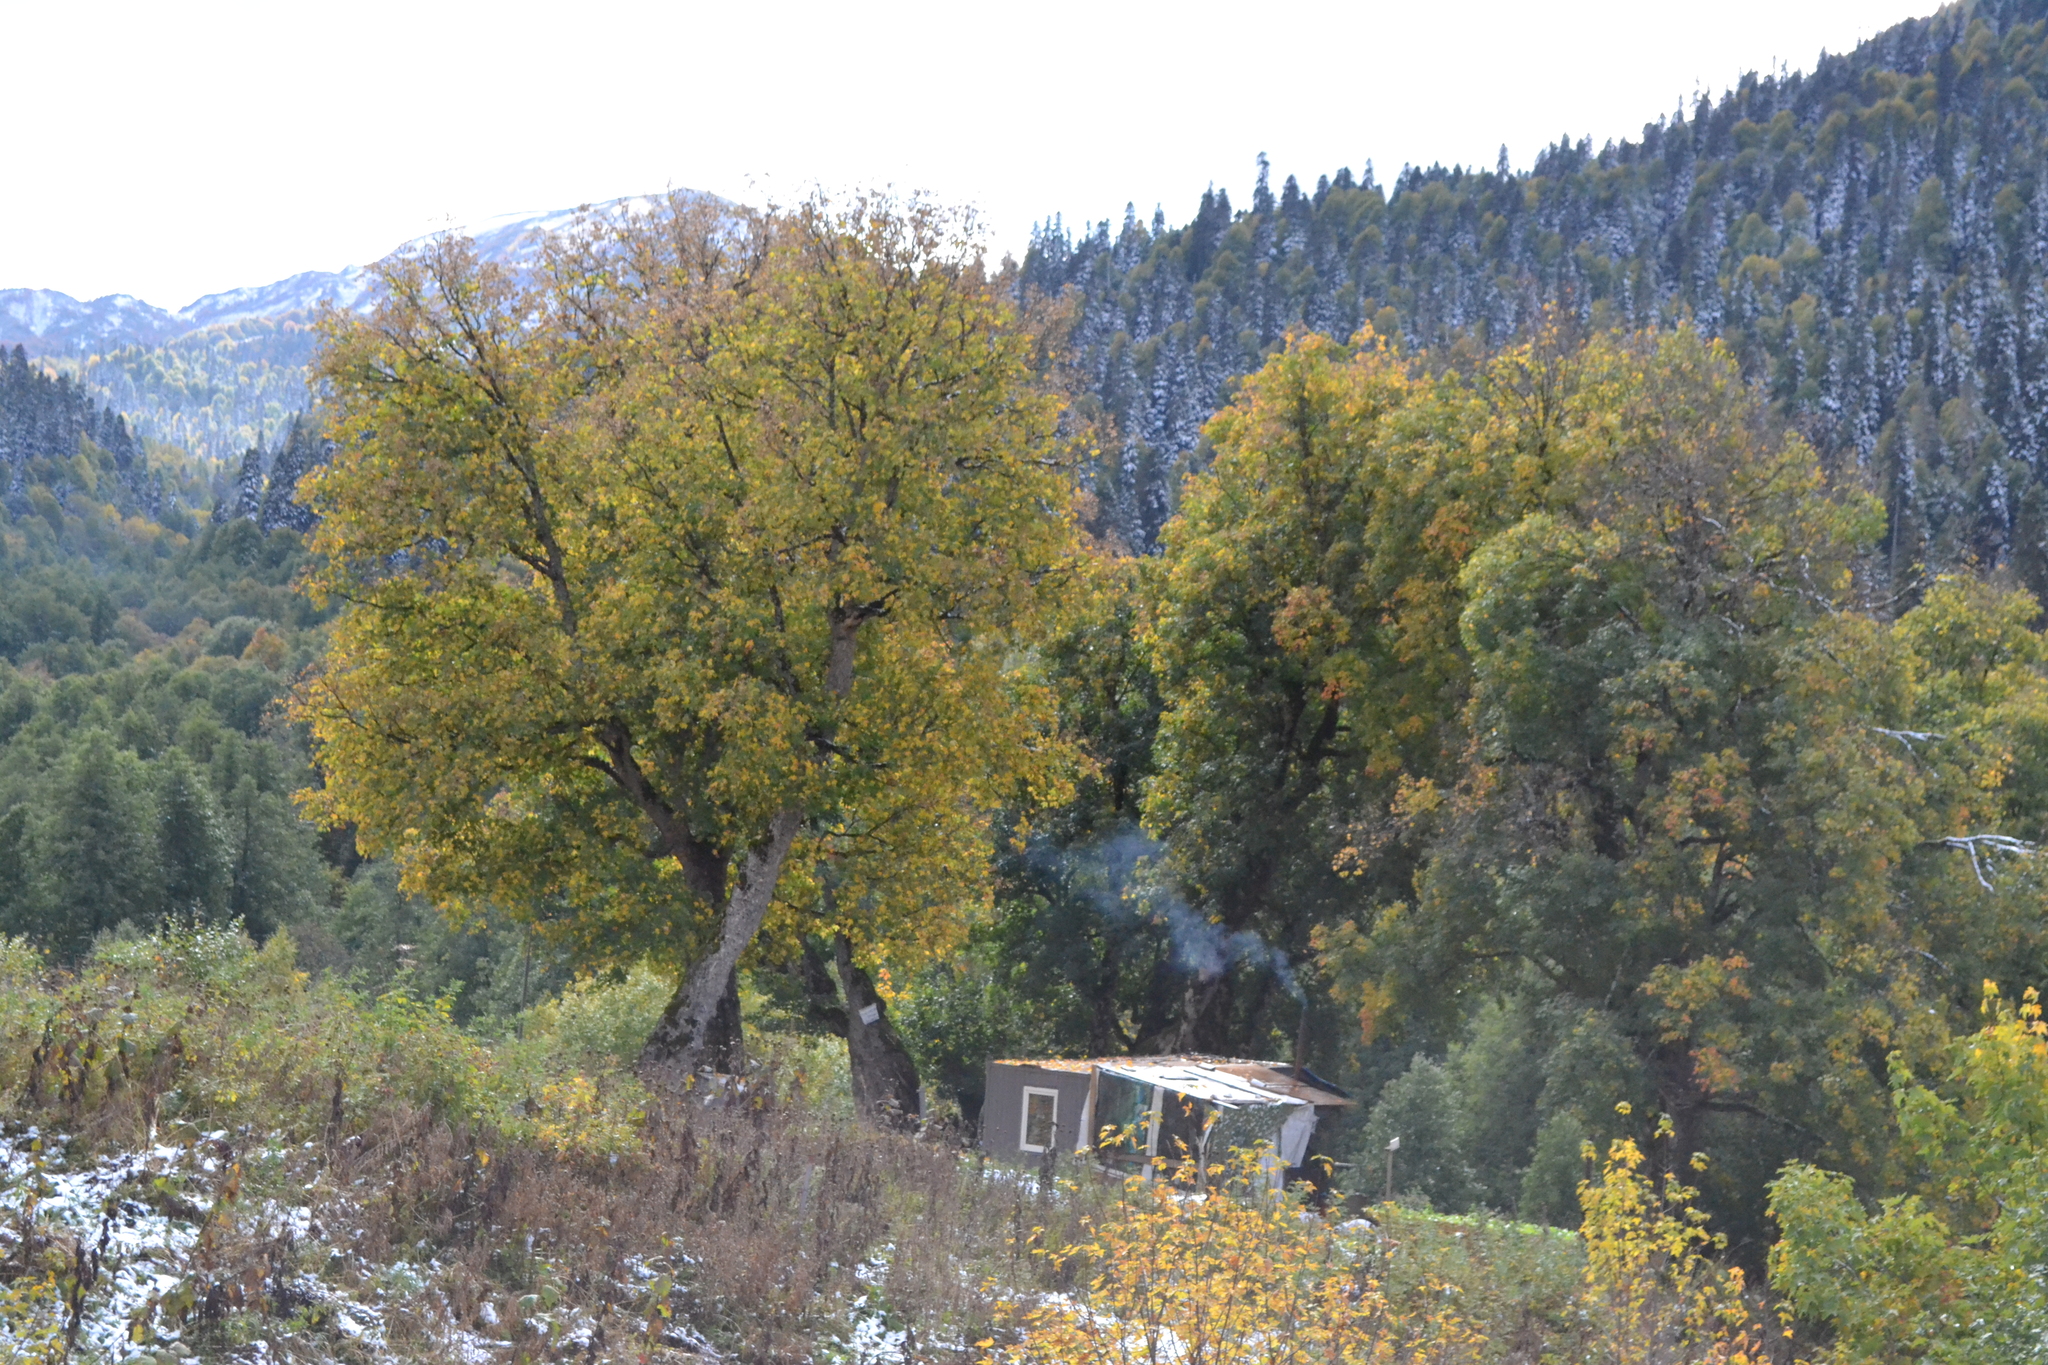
x=1205, y=1009
x=1683, y=1098
x=822, y=1007
x=1106, y=1035
x=700, y=1029
x=885, y=1089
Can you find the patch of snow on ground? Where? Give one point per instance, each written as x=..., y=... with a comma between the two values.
x=140, y=1249
x=874, y=1342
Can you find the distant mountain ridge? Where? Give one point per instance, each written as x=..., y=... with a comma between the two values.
x=49, y=323
x=224, y=374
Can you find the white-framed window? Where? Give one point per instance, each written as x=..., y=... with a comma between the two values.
x=1041, y=1123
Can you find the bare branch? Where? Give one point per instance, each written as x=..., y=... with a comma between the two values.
x=1981, y=846
x=1909, y=737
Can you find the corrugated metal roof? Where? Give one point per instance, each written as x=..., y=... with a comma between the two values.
x=1228, y=1081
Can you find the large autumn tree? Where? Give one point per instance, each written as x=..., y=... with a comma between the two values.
x=1716, y=815
x=1303, y=622
x=1551, y=682
x=684, y=578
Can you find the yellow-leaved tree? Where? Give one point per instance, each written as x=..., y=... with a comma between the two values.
x=686, y=576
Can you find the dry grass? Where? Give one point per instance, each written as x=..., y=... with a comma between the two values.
x=358, y=1180
x=300, y=1174
x=768, y=1221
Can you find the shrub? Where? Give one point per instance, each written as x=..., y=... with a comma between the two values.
x=1420, y=1108
x=1182, y=1275
x=1652, y=1295
x=1953, y=1275
x=1229, y=1274
x=1522, y=1282
x=603, y=1019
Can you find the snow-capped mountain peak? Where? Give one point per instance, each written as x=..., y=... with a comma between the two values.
x=47, y=322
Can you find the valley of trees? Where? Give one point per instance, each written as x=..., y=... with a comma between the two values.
x=1560, y=655
x=216, y=391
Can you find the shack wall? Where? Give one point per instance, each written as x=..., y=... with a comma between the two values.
x=1002, y=1112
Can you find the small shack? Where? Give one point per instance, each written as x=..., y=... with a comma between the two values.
x=1159, y=1109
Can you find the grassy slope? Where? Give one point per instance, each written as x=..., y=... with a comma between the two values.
x=203, y=1149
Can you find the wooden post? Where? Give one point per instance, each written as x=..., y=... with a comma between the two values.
x=1089, y=1123
x=1152, y=1129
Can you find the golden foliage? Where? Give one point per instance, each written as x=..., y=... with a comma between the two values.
x=1951, y=1271
x=1652, y=1295
x=714, y=521
x=1233, y=1272
x=1225, y=1275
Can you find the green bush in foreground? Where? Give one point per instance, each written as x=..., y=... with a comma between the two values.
x=1952, y=1274
x=199, y=1027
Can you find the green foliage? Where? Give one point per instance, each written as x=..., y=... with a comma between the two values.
x=143, y=772
x=148, y=789
x=1302, y=629
x=214, y=1032
x=382, y=938
x=599, y=1018
x=216, y=391
x=1569, y=649
x=1071, y=963
x=1420, y=1109
x=1546, y=699
x=1949, y=1272
x=1496, y=1071
x=198, y=860
x=985, y=1002
x=1523, y=1282
x=99, y=861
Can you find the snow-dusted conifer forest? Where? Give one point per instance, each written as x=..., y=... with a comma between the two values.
x=1869, y=237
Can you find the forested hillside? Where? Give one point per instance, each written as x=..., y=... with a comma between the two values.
x=215, y=392
x=1869, y=237
x=146, y=774
x=1560, y=655
x=56, y=439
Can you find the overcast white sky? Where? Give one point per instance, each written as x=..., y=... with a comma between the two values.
x=178, y=147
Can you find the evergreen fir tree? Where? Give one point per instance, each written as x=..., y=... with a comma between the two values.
x=193, y=849
x=95, y=852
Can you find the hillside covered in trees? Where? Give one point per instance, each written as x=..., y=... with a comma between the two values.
x=1558, y=655
x=145, y=642
x=216, y=391
x=55, y=438
x=1869, y=237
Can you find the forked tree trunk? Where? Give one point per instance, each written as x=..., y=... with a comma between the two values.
x=700, y=1028
x=885, y=1088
